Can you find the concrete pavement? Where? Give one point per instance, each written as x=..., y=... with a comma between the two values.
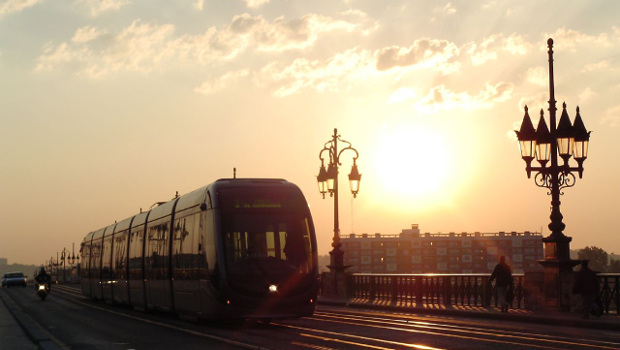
x=12, y=336
x=18, y=331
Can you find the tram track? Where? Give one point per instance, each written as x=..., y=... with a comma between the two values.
x=336, y=328
x=459, y=328
x=500, y=336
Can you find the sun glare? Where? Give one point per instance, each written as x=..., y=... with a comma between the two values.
x=413, y=163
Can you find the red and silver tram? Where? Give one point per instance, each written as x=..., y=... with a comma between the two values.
x=238, y=248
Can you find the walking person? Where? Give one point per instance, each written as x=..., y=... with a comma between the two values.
x=502, y=273
x=586, y=284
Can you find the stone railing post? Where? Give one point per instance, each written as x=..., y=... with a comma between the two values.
x=418, y=290
x=487, y=291
x=447, y=290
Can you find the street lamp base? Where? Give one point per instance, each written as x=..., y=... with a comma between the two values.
x=558, y=283
x=335, y=283
x=558, y=272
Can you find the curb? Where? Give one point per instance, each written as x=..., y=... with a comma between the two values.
x=32, y=329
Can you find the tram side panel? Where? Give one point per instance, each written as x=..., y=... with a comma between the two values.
x=84, y=271
x=106, y=264
x=157, y=258
x=120, y=253
x=211, y=299
x=137, y=290
x=188, y=262
x=95, y=264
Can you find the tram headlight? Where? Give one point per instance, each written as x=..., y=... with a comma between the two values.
x=273, y=288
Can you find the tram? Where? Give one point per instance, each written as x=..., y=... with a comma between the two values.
x=237, y=248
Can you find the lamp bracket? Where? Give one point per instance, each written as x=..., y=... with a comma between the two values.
x=545, y=179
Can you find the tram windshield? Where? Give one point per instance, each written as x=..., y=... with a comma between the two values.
x=266, y=230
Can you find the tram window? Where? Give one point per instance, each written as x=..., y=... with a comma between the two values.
x=120, y=258
x=187, y=249
x=253, y=237
x=85, y=253
x=135, y=252
x=95, y=263
x=106, y=269
x=156, y=262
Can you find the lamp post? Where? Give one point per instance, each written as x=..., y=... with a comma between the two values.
x=73, y=259
x=54, y=264
x=64, y=256
x=328, y=182
x=57, y=267
x=546, y=144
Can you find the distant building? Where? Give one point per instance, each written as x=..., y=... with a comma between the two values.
x=415, y=252
x=4, y=261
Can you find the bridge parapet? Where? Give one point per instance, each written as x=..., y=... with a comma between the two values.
x=610, y=292
x=463, y=290
x=430, y=289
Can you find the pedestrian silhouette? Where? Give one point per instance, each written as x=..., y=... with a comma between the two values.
x=586, y=284
x=502, y=273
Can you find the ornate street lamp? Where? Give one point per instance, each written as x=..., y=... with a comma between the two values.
x=64, y=256
x=73, y=259
x=565, y=140
x=54, y=264
x=328, y=182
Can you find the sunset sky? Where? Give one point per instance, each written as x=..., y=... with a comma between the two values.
x=108, y=106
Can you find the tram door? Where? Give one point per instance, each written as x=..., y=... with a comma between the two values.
x=157, y=263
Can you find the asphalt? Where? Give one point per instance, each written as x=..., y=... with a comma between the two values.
x=20, y=332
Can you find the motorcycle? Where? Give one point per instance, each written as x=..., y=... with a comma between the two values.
x=42, y=290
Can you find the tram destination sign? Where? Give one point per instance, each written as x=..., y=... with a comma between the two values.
x=256, y=203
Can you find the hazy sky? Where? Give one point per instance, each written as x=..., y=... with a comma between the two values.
x=108, y=106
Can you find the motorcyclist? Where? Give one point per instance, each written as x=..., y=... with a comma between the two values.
x=44, y=278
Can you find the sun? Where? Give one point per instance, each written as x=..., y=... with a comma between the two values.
x=412, y=162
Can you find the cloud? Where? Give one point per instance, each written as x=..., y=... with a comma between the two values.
x=441, y=98
x=569, y=39
x=255, y=3
x=537, y=76
x=449, y=9
x=489, y=4
x=424, y=53
x=596, y=66
x=86, y=34
x=534, y=102
x=98, y=7
x=226, y=80
x=11, y=6
x=350, y=68
x=336, y=73
x=488, y=49
x=586, y=95
x=200, y=4
x=282, y=35
x=401, y=95
x=97, y=53
x=612, y=116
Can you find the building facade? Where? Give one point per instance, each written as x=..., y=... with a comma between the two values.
x=415, y=252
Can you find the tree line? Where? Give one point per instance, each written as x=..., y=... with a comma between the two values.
x=600, y=261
